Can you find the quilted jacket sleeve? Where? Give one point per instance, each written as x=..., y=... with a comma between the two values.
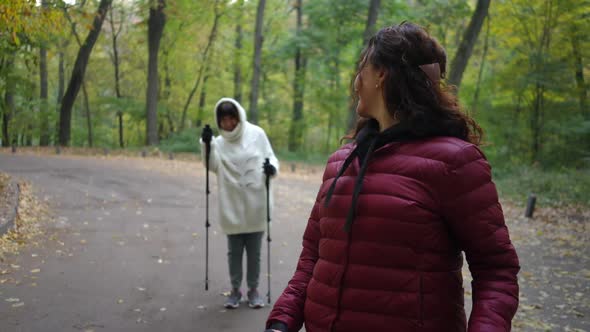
x=470, y=206
x=289, y=307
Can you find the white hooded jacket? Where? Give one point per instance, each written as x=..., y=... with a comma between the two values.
x=237, y=158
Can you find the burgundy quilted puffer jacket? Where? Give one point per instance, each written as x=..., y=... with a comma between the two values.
x=399, y=268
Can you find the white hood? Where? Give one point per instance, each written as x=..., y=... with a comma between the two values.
x=239, y=130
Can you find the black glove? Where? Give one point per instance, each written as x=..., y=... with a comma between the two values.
x=269, y=169
x=207, y=134
x=277, y=325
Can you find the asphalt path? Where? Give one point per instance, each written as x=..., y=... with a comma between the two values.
x=125, y=251
x=127, y=248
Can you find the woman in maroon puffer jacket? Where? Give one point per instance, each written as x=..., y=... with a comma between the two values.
x=383, y=246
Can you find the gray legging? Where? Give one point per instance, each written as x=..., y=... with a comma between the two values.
x=235, y=250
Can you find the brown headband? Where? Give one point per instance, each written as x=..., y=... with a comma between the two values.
x=432, y=70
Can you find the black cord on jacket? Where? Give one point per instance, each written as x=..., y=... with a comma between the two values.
x=368, y=140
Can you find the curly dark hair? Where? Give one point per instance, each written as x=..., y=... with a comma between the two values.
x=428, y=108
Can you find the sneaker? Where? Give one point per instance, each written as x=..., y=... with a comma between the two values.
x=233, y=300
x=254, y=299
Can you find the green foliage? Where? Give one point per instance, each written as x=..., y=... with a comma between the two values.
x=554, y=187
x=529, y=95
x=529, y=99
x=184, y=141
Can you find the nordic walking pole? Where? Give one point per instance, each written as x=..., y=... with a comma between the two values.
x=267, y=163
x=206, y=136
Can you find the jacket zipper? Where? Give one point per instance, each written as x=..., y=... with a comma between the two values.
x=341, y=286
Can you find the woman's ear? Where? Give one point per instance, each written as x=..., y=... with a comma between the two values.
x=381, y=75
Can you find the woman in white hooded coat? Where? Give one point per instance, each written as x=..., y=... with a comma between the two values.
x=237, y=156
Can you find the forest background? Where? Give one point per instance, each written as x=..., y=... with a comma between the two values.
x=125, y=74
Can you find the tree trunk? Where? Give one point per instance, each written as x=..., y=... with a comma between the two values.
x=371, y=20
x=43, y=106
x=88, y=115
x=8, y=109
x=536, y=120
x=465, y=49
x=156, y=22
x=60, y=89
x=579, y=70
x=481, y=65
x=296, y=128
x=265, y=86
x=257, y=60
x=115, y=35
x=29, y=136
x=78, y=72
x=7, y=116
x=43, y=111
x=205, y=63
x=333, y=87
x=372, y=17
x=537, y=117
x=238, y=54
x=202, y=100
x=167, y=90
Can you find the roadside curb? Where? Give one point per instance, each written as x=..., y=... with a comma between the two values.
x=12, y=207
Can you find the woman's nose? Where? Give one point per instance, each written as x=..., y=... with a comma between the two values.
x=357, y=83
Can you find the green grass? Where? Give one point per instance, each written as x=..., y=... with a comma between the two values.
x=185, y=141
x=552, y=187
